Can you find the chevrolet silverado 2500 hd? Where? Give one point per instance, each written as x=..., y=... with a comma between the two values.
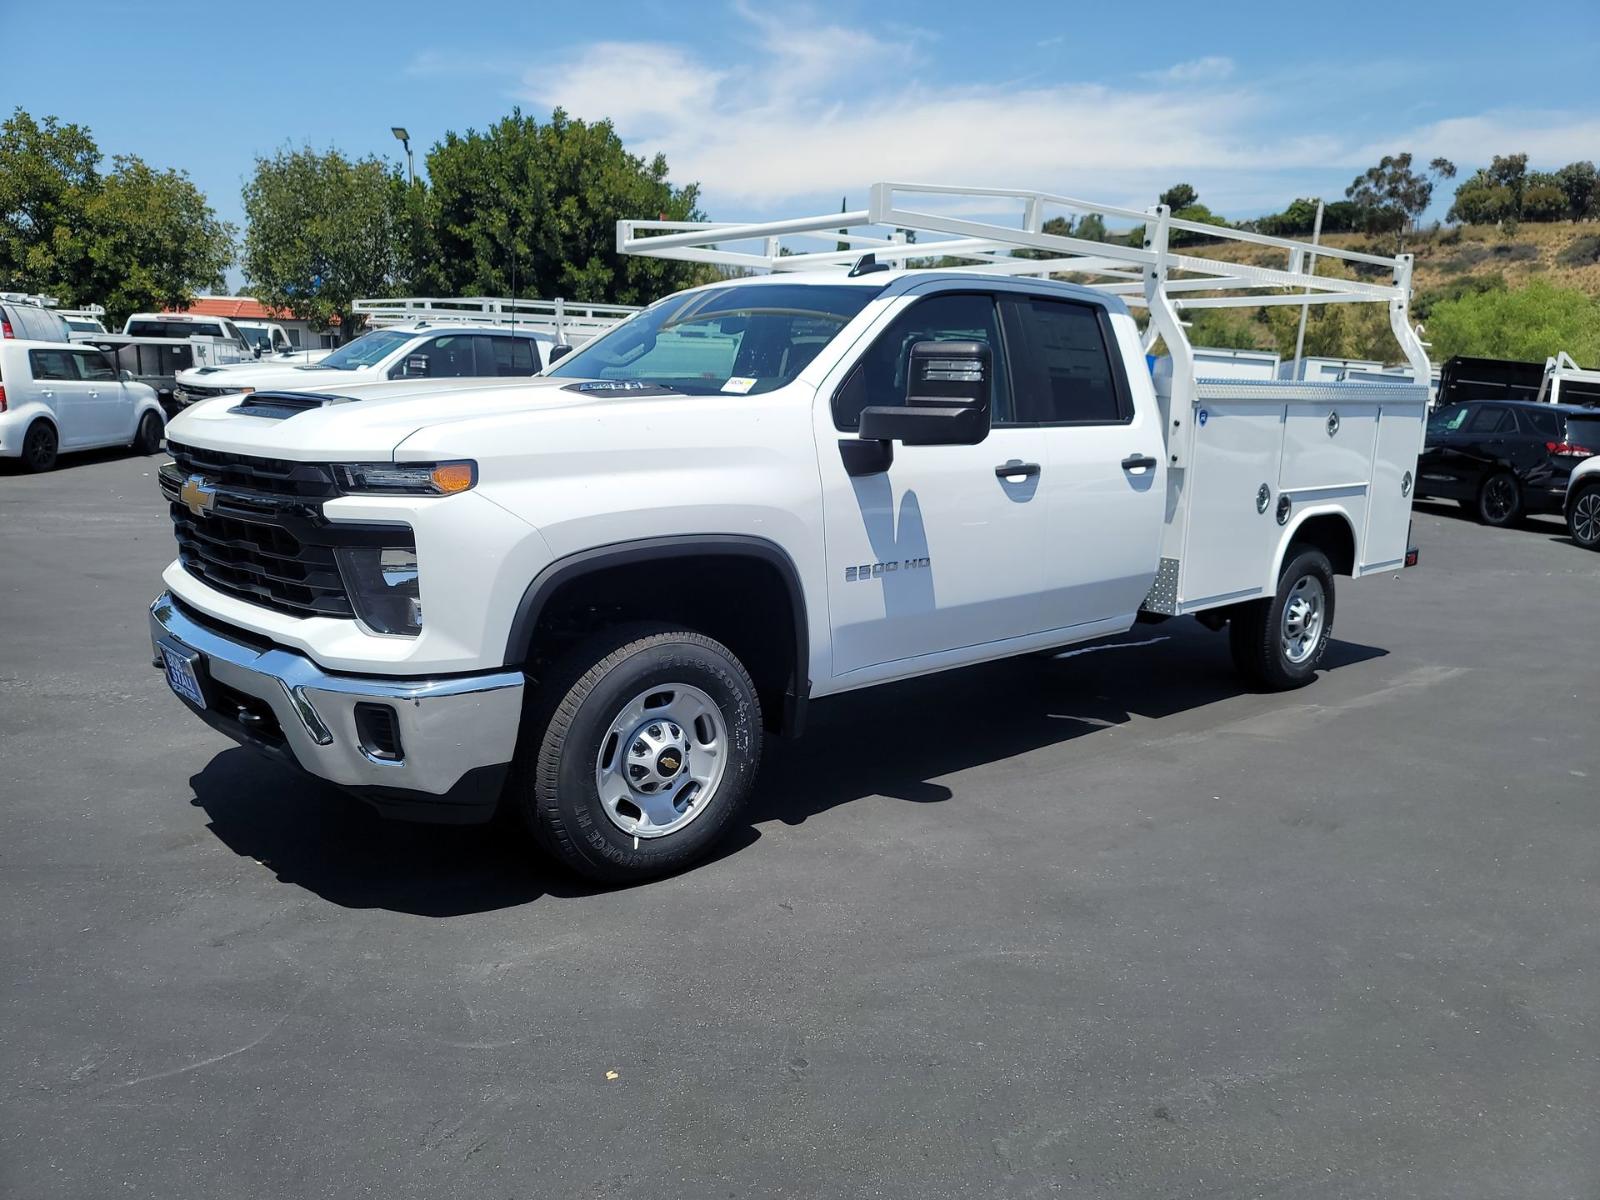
x=590, y=595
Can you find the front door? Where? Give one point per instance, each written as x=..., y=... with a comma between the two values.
x=109, y=406
x=941, y=551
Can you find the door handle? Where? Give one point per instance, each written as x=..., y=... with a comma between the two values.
x=1016, y=470
x=1138, y=462
x=47, y=392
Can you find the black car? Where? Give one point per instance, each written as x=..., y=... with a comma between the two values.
x=1504, y=458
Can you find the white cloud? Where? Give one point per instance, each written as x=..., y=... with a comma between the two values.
x=812, y=110
x=1549, y=139
x=1210, y=69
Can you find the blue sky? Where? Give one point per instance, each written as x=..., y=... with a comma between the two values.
x=783, y=109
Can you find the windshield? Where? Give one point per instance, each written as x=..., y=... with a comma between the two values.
x=257, y=337
x=743, y=338
x=83, y=326
x=1449, y=419
x=366, y=350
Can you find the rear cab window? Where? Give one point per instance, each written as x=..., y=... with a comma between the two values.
x=1062, y=368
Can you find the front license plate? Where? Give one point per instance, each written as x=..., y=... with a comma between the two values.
x=181, y=677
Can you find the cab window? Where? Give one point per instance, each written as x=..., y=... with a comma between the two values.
x=881, y=375
x=1063, y=371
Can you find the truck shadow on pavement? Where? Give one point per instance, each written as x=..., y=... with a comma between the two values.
x=892, y=741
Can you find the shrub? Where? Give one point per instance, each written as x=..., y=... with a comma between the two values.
x=1531, y=323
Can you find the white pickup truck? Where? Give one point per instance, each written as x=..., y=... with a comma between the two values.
x=422, y=338
x=589, y=596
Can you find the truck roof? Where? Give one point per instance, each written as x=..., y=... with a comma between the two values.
x=896, y=281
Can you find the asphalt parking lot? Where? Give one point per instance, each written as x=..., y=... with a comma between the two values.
x=1108, y=925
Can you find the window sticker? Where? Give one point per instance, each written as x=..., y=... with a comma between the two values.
x=739, y=385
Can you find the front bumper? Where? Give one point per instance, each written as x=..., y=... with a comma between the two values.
x=447, y=744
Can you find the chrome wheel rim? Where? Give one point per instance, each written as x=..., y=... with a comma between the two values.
x=661, y=760
x=1586, y=518
x=1302, y=618
x=1499, y=497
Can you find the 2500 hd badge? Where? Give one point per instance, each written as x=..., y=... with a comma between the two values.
x=879, y=569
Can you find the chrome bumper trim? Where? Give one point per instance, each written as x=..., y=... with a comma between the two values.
x=448, y=727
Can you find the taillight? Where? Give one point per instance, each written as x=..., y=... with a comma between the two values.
x=1570, y=449
x=2, y=397
x=5, y=329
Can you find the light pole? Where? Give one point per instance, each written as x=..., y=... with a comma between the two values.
x=405, y=140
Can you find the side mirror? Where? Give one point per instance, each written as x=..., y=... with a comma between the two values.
x=558, y=352
x=125, y=375
x=947, y=398
x=256, y=351
x=417, y=364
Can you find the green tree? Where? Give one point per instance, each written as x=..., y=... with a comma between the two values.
x=1392, y=196
x=154, y=240
x=1179, y=195
x=1530, y=323
x=1481, y=201
x=1581, y=186
x=1544, y=199
x=322, y=233
x=539, y=203
x=134, y=238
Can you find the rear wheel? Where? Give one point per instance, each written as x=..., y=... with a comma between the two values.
x=1583, y=517
x=642, y=754
x=148, y=439
x=1278, y=644
x=39, y=447
x=1500, y=500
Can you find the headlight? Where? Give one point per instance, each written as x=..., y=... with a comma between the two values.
x=407, y=479
x=382, y=582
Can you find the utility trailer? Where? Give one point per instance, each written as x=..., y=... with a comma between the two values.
x=1250, y=465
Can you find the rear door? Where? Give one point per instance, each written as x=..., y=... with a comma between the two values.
x=57, y=385
x=940, y=553
x=502, y=354
x=1104, y=499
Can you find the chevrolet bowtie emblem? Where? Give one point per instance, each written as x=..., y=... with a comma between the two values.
x=197, y=495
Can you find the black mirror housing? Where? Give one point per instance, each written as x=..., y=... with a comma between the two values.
x=559, y=351
x=947, y=398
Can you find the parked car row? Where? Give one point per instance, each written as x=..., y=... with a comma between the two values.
x=1504, y=459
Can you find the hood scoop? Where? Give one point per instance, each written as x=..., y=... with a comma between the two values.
x=278, y=406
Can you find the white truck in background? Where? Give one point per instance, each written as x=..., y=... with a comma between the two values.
x=423, y=338
x=589, y=596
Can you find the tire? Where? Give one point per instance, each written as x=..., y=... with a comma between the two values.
x=1278, y=644
x=617, y=776
x=39, y=448
x=1583, y=517
x=148, y=438
x=1499, y=500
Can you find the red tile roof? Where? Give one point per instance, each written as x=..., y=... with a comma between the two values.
x=237, y=308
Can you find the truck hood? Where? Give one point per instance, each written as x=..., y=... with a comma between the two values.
x=366, y=422
x=256, y=373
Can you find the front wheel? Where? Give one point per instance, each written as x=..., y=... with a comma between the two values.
x=1583, y=517
x=148, y=439
x=1500, y=500
x=642, y=755
x=1278, y=644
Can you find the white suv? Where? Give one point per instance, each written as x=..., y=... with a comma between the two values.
x=420, y=350
x=58, y=396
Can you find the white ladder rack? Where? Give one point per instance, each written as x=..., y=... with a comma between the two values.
x=572, y=322
x=984, y=227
